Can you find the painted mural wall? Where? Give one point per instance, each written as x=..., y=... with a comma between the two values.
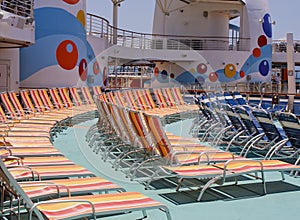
x=215, y=67
x=61, y=55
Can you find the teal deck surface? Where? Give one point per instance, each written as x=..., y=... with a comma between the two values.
x=281, y=202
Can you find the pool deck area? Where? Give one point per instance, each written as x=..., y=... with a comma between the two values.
x=248, y=203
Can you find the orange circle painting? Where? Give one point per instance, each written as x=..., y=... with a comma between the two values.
x=67, y=54
x=256, y=52
x=71, y=2
x=96, y=68
x=213, y=76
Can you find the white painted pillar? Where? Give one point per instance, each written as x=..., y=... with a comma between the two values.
x=291, y=70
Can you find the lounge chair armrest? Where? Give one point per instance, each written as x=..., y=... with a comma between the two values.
x=25, y=168
x=173, y=155
x=35, y=206
x=7, y=149
x=42, y=183
x=209, y=156
x=13, y=158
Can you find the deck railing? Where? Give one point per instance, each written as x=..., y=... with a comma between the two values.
x=281, y=46
x=23, y=8
x=100, y=27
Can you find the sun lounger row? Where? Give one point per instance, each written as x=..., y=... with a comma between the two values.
x=251, y=132
x=141, y=147
x=36, y=178
x=162, y=101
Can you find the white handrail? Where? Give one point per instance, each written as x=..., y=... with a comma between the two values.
x=100, y=27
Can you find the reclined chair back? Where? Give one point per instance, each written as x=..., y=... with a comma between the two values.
x=267, y=124
x=8, y=105
x=160, y=100
x=291, y=126
x=64, y=94
x=161, y=140
x=27, y=101
x=141, y=130
x=177, y=96
x=87, y=95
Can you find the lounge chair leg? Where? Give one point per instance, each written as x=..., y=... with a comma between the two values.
x=179, y=184
x=282, y=176
x=144, y=215
x=207, y=185
x=168, y=213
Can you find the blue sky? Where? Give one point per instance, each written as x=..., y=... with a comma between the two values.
x=137, y=15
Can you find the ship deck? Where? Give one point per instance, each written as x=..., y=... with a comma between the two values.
x=246, y=203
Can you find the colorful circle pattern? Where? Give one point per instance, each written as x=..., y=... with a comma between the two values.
x=71, y=2
x=156, y=71
x=264, y=68
x=262, y=41
x=256, y=52
x=81, y=17
x=202, y=68
x=67, y=54
x=230, y=70
x=242, y=74
x=96, y=68
x=164, y=74
x=83, y=69
x=267, y=25
x=213, y=76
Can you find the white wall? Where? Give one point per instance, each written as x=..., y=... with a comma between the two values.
x=12, y=55
x=191, y=20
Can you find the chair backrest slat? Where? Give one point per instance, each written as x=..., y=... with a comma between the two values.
x=160, y=98
x=27, y=101
x=46, y=99
x=3, y=117
x=64, y=94
x=148, y=98
x=130, y=99
x=75, y=96
x=16, y=103
x=97, y=90
x=87, y=95
x=155, y=127
x=8, y=105
x=177, y=95
x=58, y=103
x=141, y=131
x=37, y=100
